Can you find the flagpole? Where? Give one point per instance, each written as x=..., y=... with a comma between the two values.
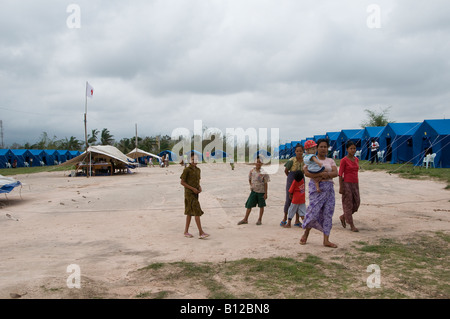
x=85, y=128
x=136, y=142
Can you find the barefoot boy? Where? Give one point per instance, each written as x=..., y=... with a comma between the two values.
x=258, y=180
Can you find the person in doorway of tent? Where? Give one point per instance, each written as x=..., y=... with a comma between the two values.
x=14, y=164
x=190, y=180
x=297, y=196
x=374, y=146
x=290, y=167
x=258, y=180
x=319, y=213
x=349, y=186
x=312, y=163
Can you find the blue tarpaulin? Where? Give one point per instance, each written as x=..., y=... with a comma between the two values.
x=7, y=184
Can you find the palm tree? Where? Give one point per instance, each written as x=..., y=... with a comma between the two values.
x=72, y=144
x=106, y=138
x=93, y=138
x=125, y=145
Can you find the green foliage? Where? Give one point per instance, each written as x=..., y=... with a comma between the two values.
x=375, y=118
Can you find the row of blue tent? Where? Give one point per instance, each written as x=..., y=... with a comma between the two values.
x=30, y=158
x=215, y=155
x=399, y=142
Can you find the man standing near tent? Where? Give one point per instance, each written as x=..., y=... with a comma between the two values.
x=374, y=146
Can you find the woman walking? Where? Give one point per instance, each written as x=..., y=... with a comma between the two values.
x=349, y=186
x=320, y=211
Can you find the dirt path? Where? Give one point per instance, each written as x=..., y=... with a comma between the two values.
x=111, y=226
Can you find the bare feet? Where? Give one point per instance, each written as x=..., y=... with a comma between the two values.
x=303, y=240
x=304, y=237
x=353, y=228
x=342, y=219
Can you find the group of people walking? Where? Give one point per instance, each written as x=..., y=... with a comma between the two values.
x=311, y=161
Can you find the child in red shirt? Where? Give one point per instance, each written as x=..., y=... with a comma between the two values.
x=297, y=196
x=349, y=186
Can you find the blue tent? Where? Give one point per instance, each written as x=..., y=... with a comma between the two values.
x=287, y=150
x=49, y=157
x=293, y=146
x=6, y=156
x=200, y=155
x=370, y=132
x=433, y=135
x=354, y=135
x=73, y=154
x=219, y=154
x=281, y=150
x=318, y=137
x=23, y=156
x=37, y=157
x=172, y=156
x=396, y=140
x=262, y=153
x=62, y=155
x=332, y=138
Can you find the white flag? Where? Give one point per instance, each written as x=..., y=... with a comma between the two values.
x=89, y=90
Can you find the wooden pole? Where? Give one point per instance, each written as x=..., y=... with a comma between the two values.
x=85, y=130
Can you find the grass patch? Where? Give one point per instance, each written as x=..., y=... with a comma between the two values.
x=32, y=170
x=416, y=267
x=410, y=171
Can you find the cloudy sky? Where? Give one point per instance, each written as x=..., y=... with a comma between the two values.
x=305, y=67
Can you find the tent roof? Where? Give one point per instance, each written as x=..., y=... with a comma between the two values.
x=442, y=127
x=20, y=151
x=5, y=151
x=355, y=133
x=404, y=128
x=36, y=152
x=140, y=153
x=374, y=131
x=106, y=150
x=333, y=135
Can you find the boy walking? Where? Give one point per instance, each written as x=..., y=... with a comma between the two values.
x=258, y=180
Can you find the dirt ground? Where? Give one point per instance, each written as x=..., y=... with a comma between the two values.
x=110, y=226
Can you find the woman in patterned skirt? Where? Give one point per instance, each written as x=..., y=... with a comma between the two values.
x=320, y=211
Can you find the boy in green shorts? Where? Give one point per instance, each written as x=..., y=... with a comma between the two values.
x=258, y=180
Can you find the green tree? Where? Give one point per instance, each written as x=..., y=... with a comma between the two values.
x=106, y=138
x=71, y=144
x=45, y=142
x=377, y=118
x=125, y=145
x=92, y=138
